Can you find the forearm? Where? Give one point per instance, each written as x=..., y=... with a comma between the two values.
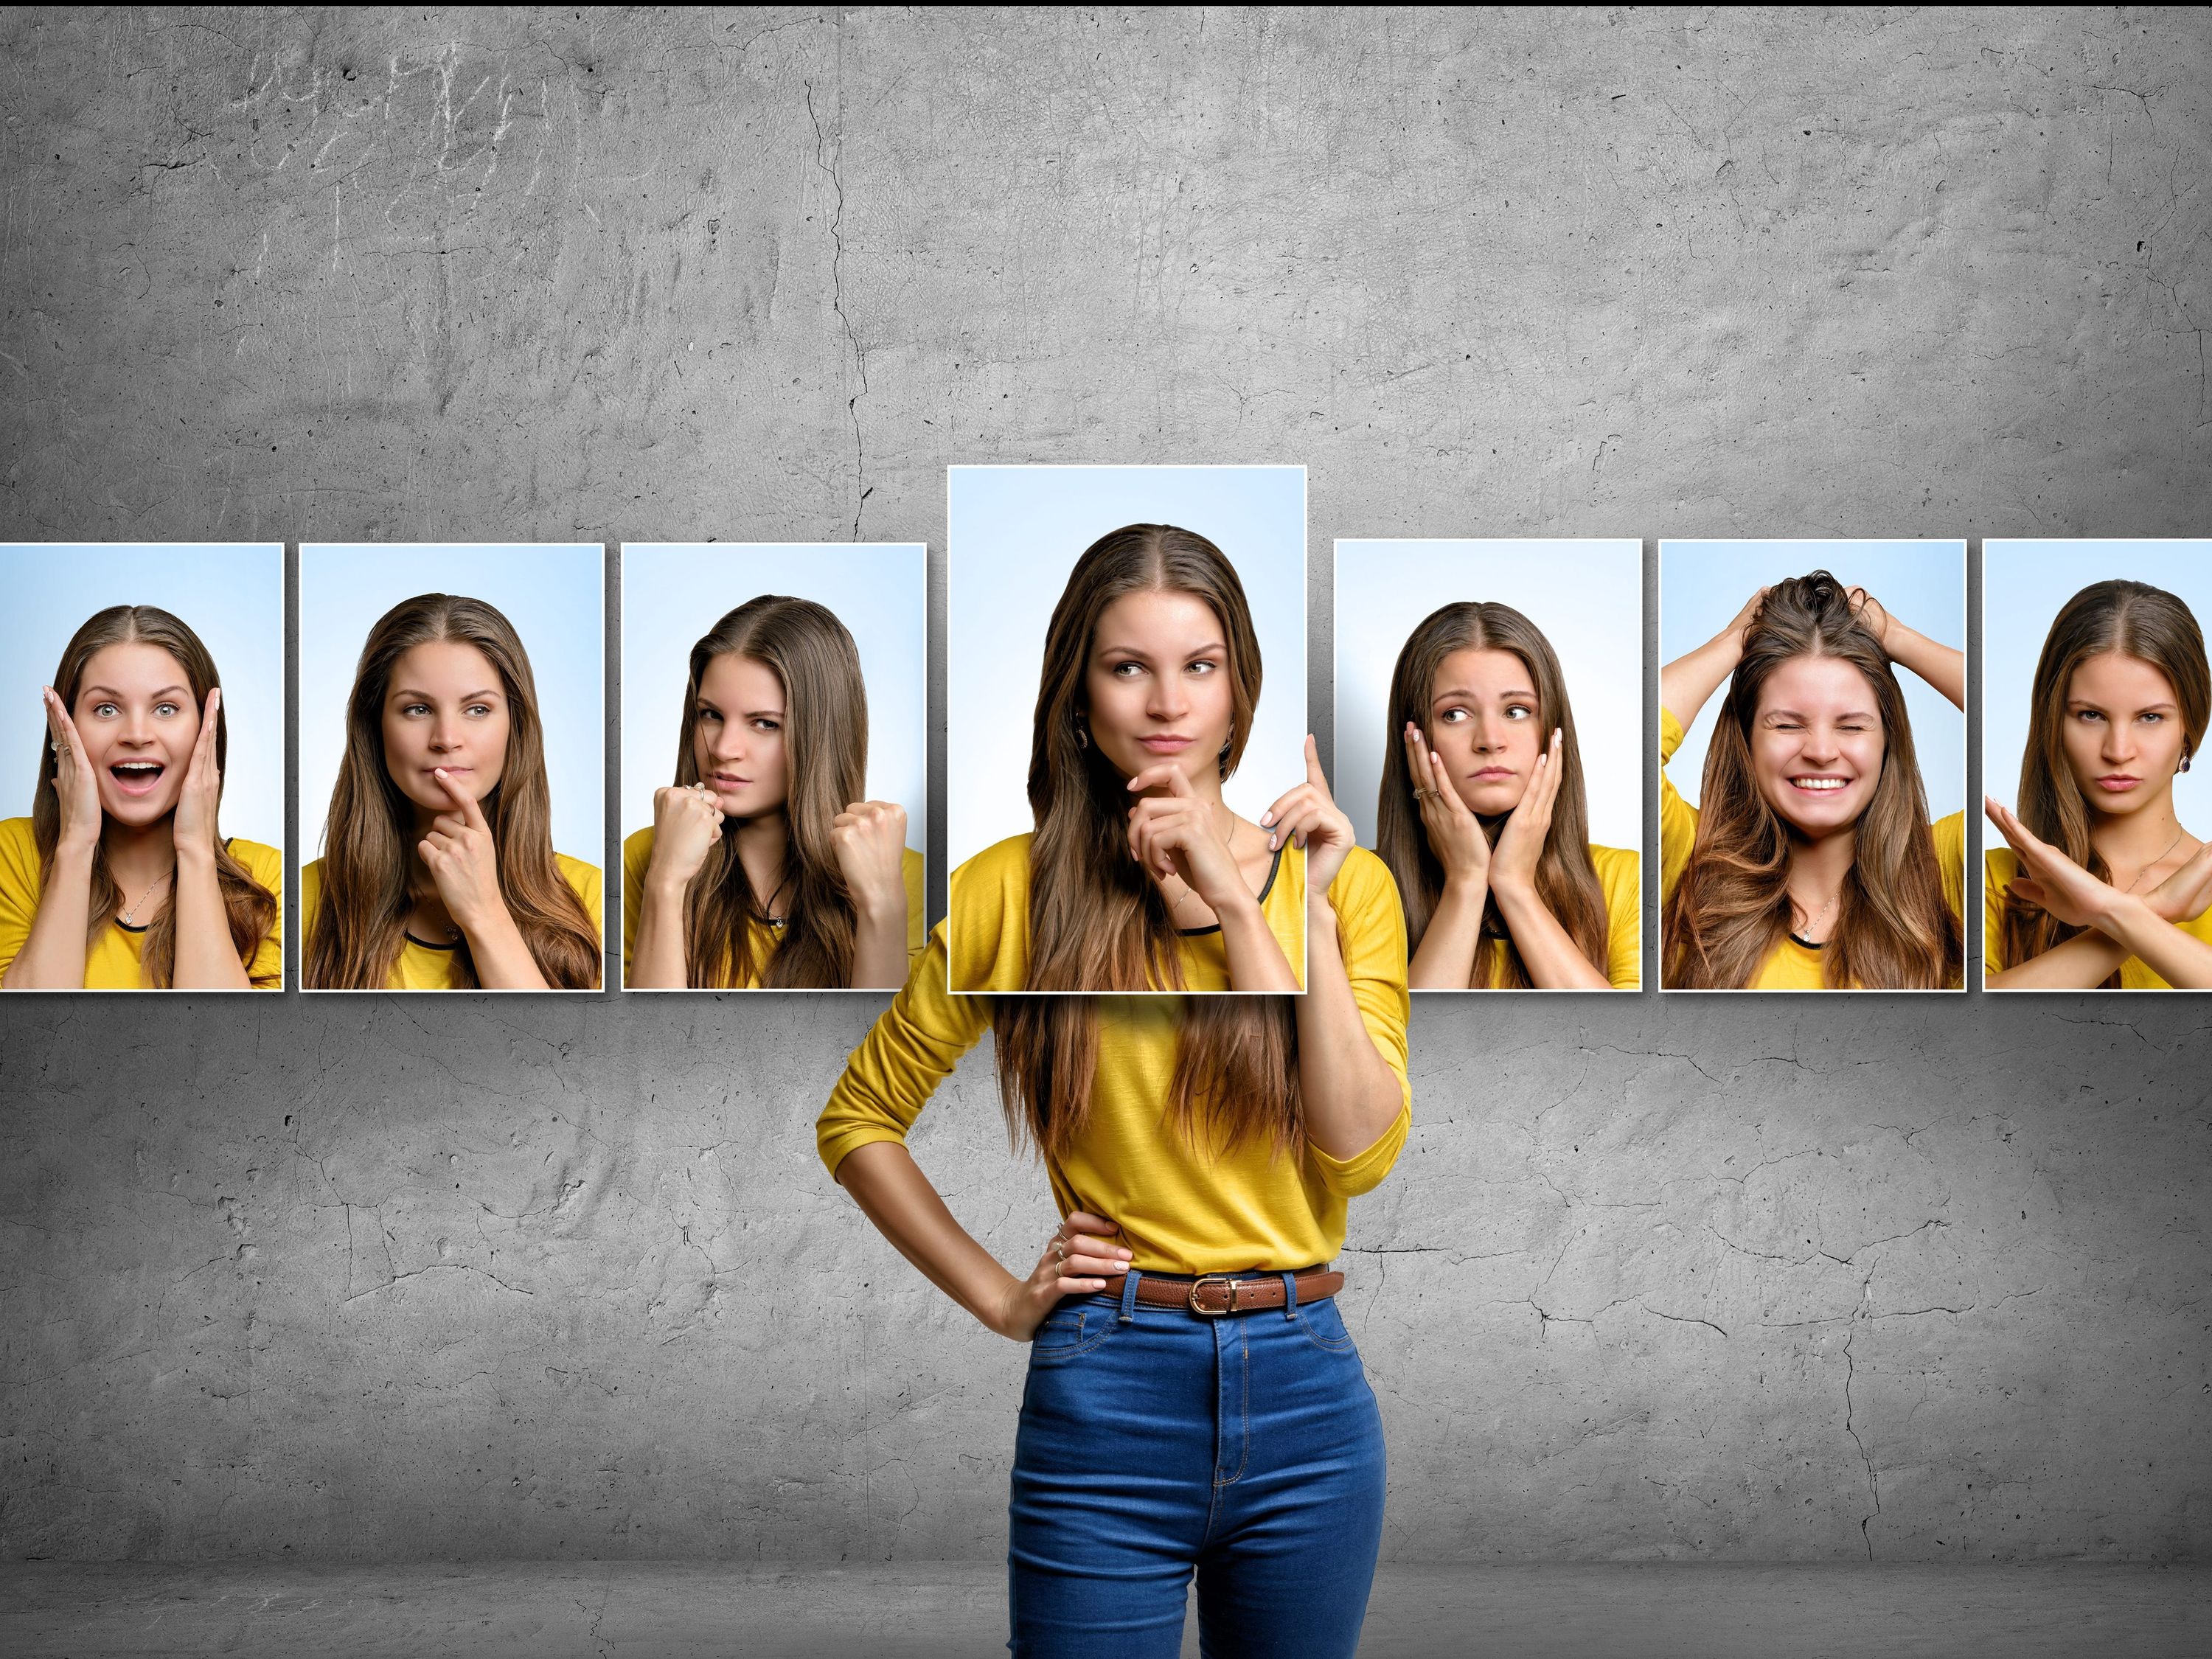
x=1256, y=961
x=2087, y=959
x=52, y=958
x=1351, y=1095
x=1942, y=666
x=502, y=959
x=1685, y=682
x=206, y=959
x=1445, y=961
x=2182, y=960
x=880, y=945
x=657, y=964
x=1554, y=961
x=891, y=1190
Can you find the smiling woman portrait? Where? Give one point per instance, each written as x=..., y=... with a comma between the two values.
x=438, y=870
x=120, y=878
x=2100, y=884
x=1808, y=862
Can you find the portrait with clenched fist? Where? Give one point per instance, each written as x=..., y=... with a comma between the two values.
x=766, y=862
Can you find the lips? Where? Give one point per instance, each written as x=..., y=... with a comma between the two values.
x=1166, y=743
x=1491, y=774
x=2118, y=783
x=136, y=778
x=729, y=782
x=1820, y=783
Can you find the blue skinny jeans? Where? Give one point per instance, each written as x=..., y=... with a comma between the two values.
x=1154, y=1442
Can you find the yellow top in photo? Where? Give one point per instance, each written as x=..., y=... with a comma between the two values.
x=1181, y=1209
x=113, y=962
x=1791, y=966
x=1620, y=873
x=421, y=967
x=761, y=938
x=2000, y=867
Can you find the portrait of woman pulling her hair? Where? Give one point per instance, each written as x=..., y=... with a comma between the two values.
x=2101, y=884
x=1195, y=1401
x=120, y=878
x=763, y=867
x=1808, y=863
x=438, y=870
x=1483, y=817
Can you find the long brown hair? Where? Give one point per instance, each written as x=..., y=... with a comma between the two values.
x=1566, y=878
x=825, y=722
x=2133, y=619
x=251, y=908
x=367, y=840
x=1730, y=910
x=1096, y=922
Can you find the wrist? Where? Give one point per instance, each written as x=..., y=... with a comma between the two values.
x=665, y=886
x=194, y=857
x=2117, y=914
x=879, y=904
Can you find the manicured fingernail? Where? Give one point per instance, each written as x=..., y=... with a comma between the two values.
x=1266, y=818
x=1271, y=843
x=1123, y=1253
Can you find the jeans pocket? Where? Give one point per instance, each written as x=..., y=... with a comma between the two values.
x=1069, y=1330
x=1324, y=1326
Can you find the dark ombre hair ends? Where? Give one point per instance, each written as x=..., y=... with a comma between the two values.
x=2133, y=619
x=251, y=908
x=368, y=838
x=1894, y=929
x=1096, y=922
x=825, y=712
x=1566, y=878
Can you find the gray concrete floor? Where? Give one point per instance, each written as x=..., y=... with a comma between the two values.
x=662, y=1610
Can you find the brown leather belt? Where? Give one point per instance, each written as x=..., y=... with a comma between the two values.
x=1215, y=1294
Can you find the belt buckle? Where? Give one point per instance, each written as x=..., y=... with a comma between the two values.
x=1200, y=1283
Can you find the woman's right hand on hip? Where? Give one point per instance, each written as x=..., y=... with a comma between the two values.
x=1079, y=1260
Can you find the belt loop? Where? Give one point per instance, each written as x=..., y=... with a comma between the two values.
x=1290, y=1295
x=1129, y=1297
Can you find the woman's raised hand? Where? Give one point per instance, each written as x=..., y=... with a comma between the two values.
x=1308, y=817
x=1521, y=842
x=2187, y=893
x=2051, y=880
x=194, y=822
x=1077, y=1260
x=1454, y=834
x=73, y=780
x=462, y=858
x=869, y=839
x=1871, y=613
x=1174, y=834
x=686, y=824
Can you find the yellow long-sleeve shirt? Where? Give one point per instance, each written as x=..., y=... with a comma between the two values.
x=114, y=961
x=637, y=859
x=1620, y=875
x=1181, y=1210
x=423, y=966
x=2001, y=867
x=1790, y=966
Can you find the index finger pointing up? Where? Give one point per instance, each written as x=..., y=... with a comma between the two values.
x=464, y=795
x=1313, y=774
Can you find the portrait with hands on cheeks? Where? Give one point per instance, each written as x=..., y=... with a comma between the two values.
x=455, y=774
x=766, y=863
x=1825, y=849
x=2097, y=701
x=121, y=875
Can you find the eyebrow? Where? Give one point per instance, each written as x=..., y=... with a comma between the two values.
x=1472, y=696
x=2103, y=707
x=1848, y=714
x=424, y=696
x=1212, y=648
x=113, y=692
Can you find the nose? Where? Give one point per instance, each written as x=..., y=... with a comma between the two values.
x=444, y=734
x=1489, y=734
x=1168, y=701
x=1818, y=744
x=2119, y=745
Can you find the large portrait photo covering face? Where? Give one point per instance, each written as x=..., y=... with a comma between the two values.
x=452, y=755
x=1812, y=751
x=2095, y=700
x=1489, y=698
x=774, y=794
x=144, y=848
x=1126, y=671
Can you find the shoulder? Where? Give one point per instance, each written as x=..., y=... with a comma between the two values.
x=19, y=844
x=1003, y=867
x=638, y=849
x=584, y=878
x=1950, y=834
x=2001, y=864
x=1365, y=881
x=1615, y=864
x=263, y=862
x=911, y=869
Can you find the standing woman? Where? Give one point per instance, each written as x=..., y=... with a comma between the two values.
x=438, y=870
x=1808, y=863
x=814, y=887
x=119, y=878
x=2102, y=885
x=1194, y=1401
x=1483, y=821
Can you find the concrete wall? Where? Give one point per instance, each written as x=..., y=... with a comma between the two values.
x=1753, y=1278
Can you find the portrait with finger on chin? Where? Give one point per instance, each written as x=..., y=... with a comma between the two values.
x=778, y=848
x=124, y=874
x=453, y=773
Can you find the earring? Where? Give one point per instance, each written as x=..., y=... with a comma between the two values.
x=2184, y=760
x=1082, y=733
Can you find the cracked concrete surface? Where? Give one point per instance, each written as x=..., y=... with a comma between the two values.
x=1811, y=1279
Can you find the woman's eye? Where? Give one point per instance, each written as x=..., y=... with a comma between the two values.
x=1451, y=717
x=2087, y=714
x=103, y=709
x=1124, y=671
x=165, y=708
x=414, y=708
x=480, y=709
x=709, y=717
x=2156, y=714
x=1203, y=666
x=1519, y=712
x=769, y=726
